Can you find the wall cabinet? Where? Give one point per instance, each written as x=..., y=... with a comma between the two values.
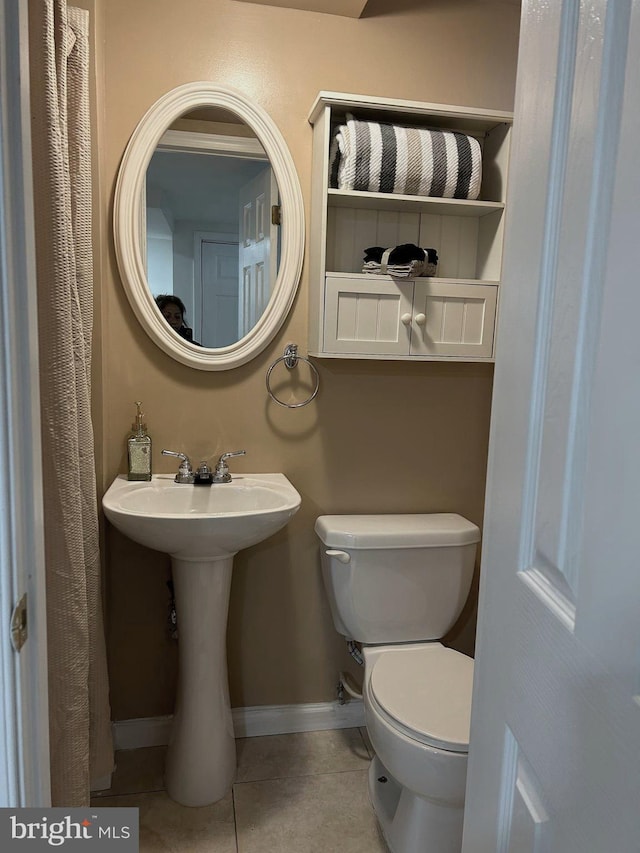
x=427, y=318
x=449, y=316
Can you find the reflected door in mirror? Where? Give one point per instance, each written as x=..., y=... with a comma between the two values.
x=218, y=293
x=210, y=240
x=258, y=248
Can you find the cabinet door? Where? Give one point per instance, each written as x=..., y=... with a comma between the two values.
x=368, y=317
x=452, y=319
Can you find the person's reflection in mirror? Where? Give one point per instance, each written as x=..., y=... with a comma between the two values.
x=174, y=312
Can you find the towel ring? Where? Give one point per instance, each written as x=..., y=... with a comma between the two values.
x=291, y=359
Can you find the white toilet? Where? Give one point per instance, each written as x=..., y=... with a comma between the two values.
x=396, y=584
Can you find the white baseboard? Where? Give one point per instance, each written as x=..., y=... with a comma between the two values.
x=141, y=732
x=285, y=719
x=248, y=722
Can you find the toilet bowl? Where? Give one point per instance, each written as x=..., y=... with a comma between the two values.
x=396, y=584
x=419, y=730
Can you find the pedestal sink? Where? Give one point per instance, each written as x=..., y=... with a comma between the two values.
x=202, y=528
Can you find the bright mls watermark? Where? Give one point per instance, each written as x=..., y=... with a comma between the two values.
x=25, y=830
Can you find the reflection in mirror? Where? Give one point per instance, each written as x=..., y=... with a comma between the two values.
x=211, y=239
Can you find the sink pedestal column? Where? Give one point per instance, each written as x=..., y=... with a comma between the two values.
x=201, y=759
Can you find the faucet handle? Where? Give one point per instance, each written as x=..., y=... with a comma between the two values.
x=222, y=474
x=232, y=453
x=185, y=471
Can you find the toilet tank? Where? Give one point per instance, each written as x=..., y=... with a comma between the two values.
x=396, y=578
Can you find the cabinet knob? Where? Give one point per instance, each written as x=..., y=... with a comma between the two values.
x=421, y=319
x=405, y=319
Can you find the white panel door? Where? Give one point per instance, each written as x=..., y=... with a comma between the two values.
x=219, y=293
x=258, y=248
x=554, y=761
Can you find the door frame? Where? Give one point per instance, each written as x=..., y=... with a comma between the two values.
x=24, y=713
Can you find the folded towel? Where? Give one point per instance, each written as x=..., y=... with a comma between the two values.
x=404, y=261
x=401, y=254
x=376, y=157
x=413, y=270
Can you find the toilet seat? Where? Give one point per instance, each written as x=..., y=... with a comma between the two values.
x=425, y=693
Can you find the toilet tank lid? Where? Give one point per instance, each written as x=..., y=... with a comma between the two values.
x=426, y=530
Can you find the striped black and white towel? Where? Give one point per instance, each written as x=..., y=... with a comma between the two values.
x=387, y=158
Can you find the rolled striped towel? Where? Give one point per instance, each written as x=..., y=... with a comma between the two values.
x=389, y=158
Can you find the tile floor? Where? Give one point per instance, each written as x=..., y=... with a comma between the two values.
x=295, y=793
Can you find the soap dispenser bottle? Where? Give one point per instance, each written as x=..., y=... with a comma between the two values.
x=139, y=449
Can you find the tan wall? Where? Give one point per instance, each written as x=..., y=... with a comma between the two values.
x=381, y=436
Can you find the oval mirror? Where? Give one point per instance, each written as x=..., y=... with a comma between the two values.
x=209, y=226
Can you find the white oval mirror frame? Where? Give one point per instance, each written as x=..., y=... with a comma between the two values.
x=129, y=218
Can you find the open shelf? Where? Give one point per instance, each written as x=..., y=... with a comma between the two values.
x=411, y=203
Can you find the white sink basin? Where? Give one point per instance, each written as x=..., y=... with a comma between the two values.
x=201, y=527
x=201, y=521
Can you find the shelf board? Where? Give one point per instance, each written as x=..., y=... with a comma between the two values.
x=418, y=204
x=360, y=356
x=443, y=115
x=360, y=276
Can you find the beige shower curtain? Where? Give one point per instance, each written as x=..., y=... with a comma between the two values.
x=80, y=735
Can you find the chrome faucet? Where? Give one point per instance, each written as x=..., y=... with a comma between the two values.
x=203, y=475
x=185, y=471
x=221, y=473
